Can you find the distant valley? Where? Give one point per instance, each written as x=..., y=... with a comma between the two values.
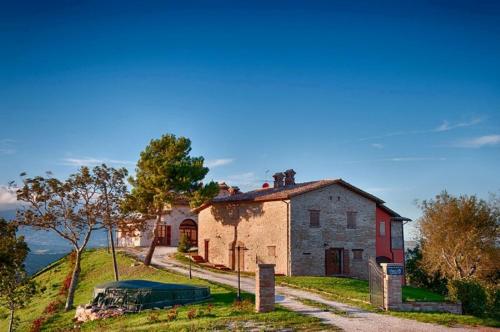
x=47, y=247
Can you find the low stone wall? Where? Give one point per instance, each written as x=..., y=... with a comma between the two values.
x=454, y=308
x=393, y=299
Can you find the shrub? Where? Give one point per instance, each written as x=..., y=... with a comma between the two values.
x=65, y=285
x=191, y=313
x=52, y=307
x=184, y=244
x=172, y=314
x=245, y=305
x=418, y=277
x=493, y=294
x=471, y=294
x=153, y=317
x=36, y=326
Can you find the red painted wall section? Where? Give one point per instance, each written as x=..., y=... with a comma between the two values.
x=383, y=243
x=398, y=255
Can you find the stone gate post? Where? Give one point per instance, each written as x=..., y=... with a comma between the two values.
x=393, y=295
x=264, y=288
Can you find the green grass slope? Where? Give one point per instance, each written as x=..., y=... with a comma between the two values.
x=219, y=313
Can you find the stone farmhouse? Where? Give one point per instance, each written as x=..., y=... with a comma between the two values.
x=177, y=220
x=325, y=227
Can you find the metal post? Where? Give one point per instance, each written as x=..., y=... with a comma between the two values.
x=239, y=290
x=190, y=275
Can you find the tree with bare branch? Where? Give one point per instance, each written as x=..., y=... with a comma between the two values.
x=460, y=236
x=112, y=192
x=68, y=208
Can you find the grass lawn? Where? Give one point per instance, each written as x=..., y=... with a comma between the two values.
x=356, y=292
x=218, y=313
x=354, y=289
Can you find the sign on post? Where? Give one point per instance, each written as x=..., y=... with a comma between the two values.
x=395, y=270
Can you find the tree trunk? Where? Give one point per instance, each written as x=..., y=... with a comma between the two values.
x=149, y=255
x=11, y=319
x=109, y=242
x=74, y=282
x=113, y=253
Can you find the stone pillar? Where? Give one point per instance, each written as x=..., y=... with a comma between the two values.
x=393, y=295
x=264, y=288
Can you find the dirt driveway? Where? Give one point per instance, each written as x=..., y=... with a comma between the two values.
x=355, y=319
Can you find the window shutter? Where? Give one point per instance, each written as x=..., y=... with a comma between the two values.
x=314, y=218
x=346, y=269
x=357, y=254
x=351, y=219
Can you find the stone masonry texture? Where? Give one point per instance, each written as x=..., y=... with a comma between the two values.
x=308, y=244
x=393, y=296
x=264, y=288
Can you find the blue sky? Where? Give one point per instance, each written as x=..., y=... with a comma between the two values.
x=402, y=100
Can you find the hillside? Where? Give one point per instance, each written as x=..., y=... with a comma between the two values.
x=220, y=312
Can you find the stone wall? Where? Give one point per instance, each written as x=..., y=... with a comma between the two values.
x=454, y=308
x=308, y=244
x=393, y=297
x=260, y=227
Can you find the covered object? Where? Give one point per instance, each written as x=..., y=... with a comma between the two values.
x=136, y=295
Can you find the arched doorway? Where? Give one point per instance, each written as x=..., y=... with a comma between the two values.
x=189, y=228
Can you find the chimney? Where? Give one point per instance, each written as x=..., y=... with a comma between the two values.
x=278, y=180
x=223, y=190
x=234, y=190
x=289, y=177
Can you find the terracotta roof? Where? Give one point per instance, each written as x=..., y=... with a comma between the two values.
x=286, y=192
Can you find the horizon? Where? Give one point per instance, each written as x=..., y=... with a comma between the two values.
x=400, y=100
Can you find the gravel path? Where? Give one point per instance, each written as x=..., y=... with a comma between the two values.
x=355, y=319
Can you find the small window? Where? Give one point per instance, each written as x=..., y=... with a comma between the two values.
x=357, y=254
x=351, y=219
x=314, y=218
x=271, y=251
x=382, y=228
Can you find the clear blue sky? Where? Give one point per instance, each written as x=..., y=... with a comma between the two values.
x=402, y=100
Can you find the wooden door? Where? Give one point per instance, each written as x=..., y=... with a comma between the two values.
x=163, y=235
x=241, y=258
x=206, y=250
x=333, y=261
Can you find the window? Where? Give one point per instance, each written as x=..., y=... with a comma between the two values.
x=357, y=254
x=381, y=228
x=314, y=218
x=396, y=234
x=271, y=251
x=351, y=219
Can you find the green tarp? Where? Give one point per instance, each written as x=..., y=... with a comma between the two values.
x=136, y=295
